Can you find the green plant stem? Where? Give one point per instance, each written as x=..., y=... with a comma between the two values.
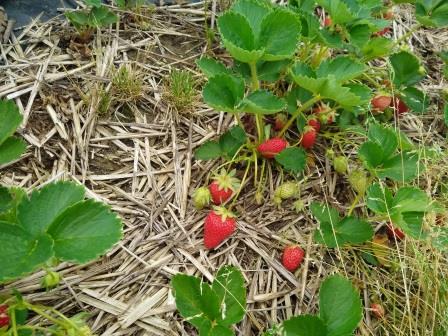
x=51, y=318
x=260, y=182
x=300, y=110
x=14, y=324
x=255, y=86
x=354, y=203
x=243, y=181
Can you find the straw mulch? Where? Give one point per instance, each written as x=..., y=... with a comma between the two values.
x=137, y=155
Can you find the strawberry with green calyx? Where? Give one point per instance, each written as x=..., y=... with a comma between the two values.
x=270, y=148
x=223, y=186
x=4, y=317
x=381, y=102
x=340, y=164
x=377, y=310
x=394, y=233
x=292, y=257
x=201, y=197
x=284, y=191
x=313, y=122
x=219, y=225
x=359, y=181
x=280, y=121
x=308, y=137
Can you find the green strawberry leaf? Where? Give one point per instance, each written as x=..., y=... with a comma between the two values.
x=379, y=199
x=238, y=37
x=343, y=68
x=78, y=19
x=11, y=149
x=385, y=137
x=340, y=306
x=211, y=67
x=101, y=17
x=432, y=13
x=196, y=301
x=440, y=239
x=404, y=167
x=230, y=289
x=10, y=119
x=262, y=102
x=85, y=231
x=411, y=223
x=362, y=91
x=445, y=113
x=94, y=3
x=410, y=199
x=21, y=253
x=338, y=11
x=279, y=34
x=10, y=204
x=371, y=154
x=231, y=141
x=6, y=199
x=324, y=213
x=406, y=67
x=254, y=11
x=359, y=35
x=377, y=47
x=39, y=211
x=224, y=92
x=304, y=325
x=415, y=99
x=271, y=71
x=208, y=151
x=292, y=159
x=348, y=231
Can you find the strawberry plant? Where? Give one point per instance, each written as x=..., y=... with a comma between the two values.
x=11, y=147
x=53, y=223
x=95, y=16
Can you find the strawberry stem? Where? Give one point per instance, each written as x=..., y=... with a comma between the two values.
x=255, y=87
x=243, y=181
x=300, y=110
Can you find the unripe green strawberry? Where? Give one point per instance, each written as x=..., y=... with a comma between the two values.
x=298, y=206
x=358, y=180
x=340, y=164
x=286, y=190
x=201, y=197
x=51, y=280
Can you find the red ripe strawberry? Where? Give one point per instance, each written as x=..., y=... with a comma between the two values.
x=280, y=121
x=219, y=225
x=4, y=317
x=399, y=106
x=272, y=147
x=383, y=32
x=377, y=310
x=313, y=122
x=327, y=22
x=308, y=137
x=380, y=102
x=394, y=233
x=292, y=257
x=223, y=186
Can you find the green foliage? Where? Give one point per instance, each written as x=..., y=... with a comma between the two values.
x=405, y=210
x=54, y=221
x=432, y=13
x=334, y=231
x=380, y=156
x=214, y=308
x=11, y=147
x=406, y=69
x=129, y=4
x=227, y=146
x=181, y=89
x=292, y=159
x=96, y=16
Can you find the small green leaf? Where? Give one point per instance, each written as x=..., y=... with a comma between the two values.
x=11, y=149
x=401, y=167
x=195, y=300
x=385, y=137
x=230, y=289
x=37, y=212
x=102, y=16
x=254, y=11
x=94, y=3
x=238, y=37
x=343, y=68
x=409, y=199
x=78, y=19
x=292, y=159
x=208, y=151
x=271, y=71
x=302, y=69
x=340, y=306
x=360, y=35
x=5, y=199
x=279, y=35
x=338, y=11
x=406, y=68
x=415, y=99
x=362, y=91
x=262, y=102
x=432, y=13
x=211, y=67
x=10, y=119
x=224, y=92
x=10, y=204
x=304, y=325
x=324, y=213
x=377, y=47
x=379, y=199
x=85, y=231
x=231, y=141
x=371, y=154
x=21, y=253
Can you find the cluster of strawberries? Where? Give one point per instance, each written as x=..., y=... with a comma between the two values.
x=4, y=317
x=381, y=102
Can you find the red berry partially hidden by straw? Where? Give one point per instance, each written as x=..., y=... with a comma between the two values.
x=394, y=232
x=4, y=317
x=377, y=310
x=383, y=31
x=292, y=257
x=219, y=225
x=272, y=147
x=399, y=106
x=313, y=122
x=381, y=102
x=223, y=186
x=280, y=121
x=308, y=137
x=327, y=22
